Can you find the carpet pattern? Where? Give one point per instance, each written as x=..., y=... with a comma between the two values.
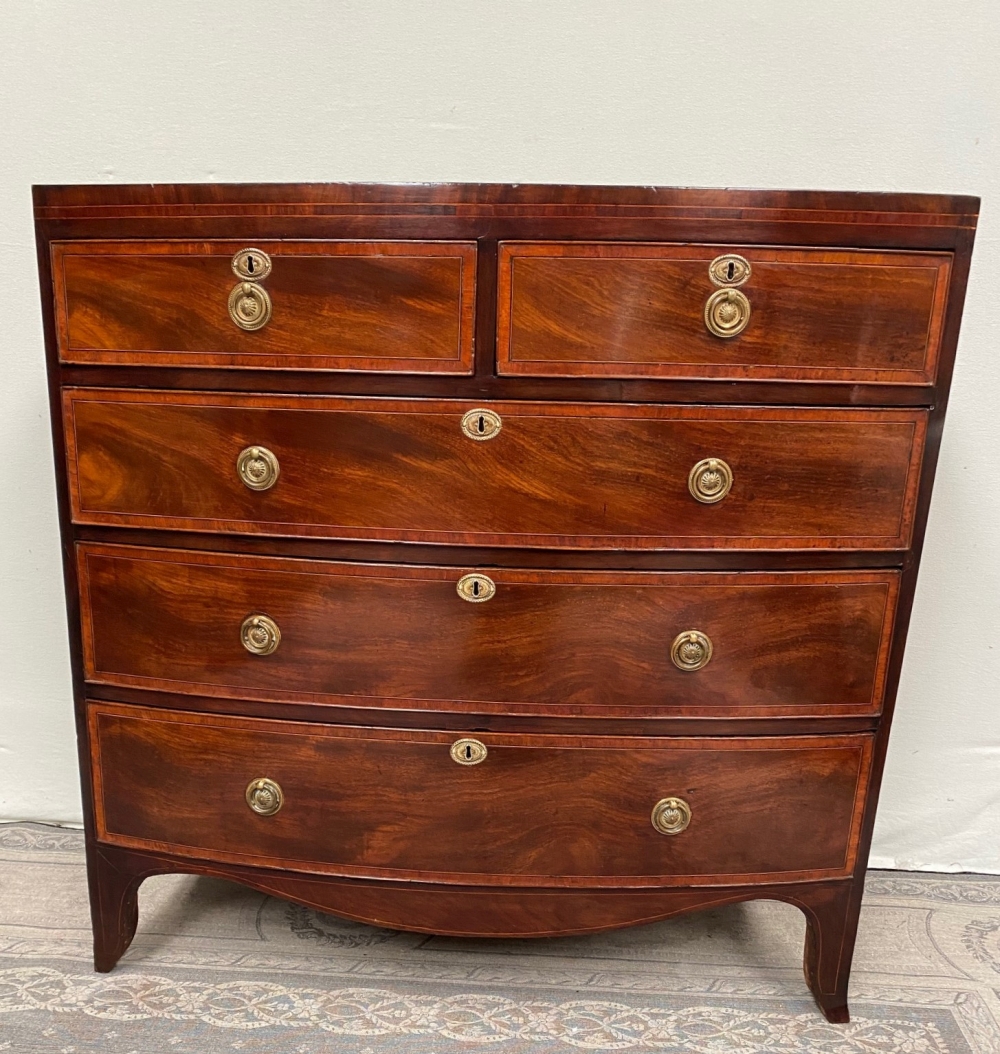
x=216, y=967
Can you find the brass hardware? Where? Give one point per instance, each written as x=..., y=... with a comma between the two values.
x=729, y=270
x=264, y=796
x=710, y=480
x=691, y=650
x=671, y=815
x=260, y=635
x=727, y=312
x=258, y=467
x=481, y=424
x=468, y=751
x=475, y=588
x=249, y=306
x=252, y=265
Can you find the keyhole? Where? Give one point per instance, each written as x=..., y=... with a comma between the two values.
x=250, y=265
x=731, y=270
x=468, y=752
x=475, y=593
x=482, y=424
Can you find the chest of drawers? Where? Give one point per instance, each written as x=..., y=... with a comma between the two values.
x=492, y=560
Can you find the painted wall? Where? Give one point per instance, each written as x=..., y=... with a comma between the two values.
x=841, y=95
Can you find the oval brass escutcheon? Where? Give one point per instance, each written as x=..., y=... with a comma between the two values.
x=671, y=815
x=252, y=265
x=729, y=269
x=691, y=650
x=476, y=588
x=264, y=796
x=249, y=306
x=468, y=751
x=260, y=634
x=257, y=467
x=710, y=480
x=727, y=313
x=481, y=424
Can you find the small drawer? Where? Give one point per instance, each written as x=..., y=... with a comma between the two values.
x=611, y=309
x=554, y=643
x=543, y=475
x=401, y=307
x=507, y=809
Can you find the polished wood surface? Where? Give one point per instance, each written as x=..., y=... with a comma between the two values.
x=558, y=475
x=396, y=306
x=621, y=310
x=538, y=811
x=580, y=643
x=819, y=478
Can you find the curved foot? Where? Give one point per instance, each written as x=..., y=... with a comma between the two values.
x=114, y=904
x=831, y=926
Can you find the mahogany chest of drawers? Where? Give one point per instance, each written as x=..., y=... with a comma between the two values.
x=494, y=560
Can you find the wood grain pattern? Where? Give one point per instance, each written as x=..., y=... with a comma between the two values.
x=579, y=643
x=558, y=475
x=538, y=811
x=628, y=310
x=347, y=305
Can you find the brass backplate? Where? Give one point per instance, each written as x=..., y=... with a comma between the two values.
x=671, y=815
x=260, y=634
x=710, y=480
x=476, y=588
x=730, y=269
x=257, y=467
x=251, y=265
x=727, y=313
x=468, y=751
x=691, y=650
x=481, y=424
x=249, y=306
x=264, y=796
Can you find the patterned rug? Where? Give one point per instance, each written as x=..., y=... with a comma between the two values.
x=218, y=968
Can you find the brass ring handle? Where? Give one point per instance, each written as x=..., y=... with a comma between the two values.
x=476, y=588
x=264, y=796
x=249, y=306
x=671, y=815
x=691, y=650
x=251, y=265
x=258, y=468
x=710, y=480
x=480, y=424
x=468, y=751
x=260, y=635
x=727, y=313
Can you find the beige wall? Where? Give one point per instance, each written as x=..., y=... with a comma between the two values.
x=841, y=95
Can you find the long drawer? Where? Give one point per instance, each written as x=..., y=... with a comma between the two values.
x=526, y=810
x=396, y=306
x=551, y=475
x=624, y=309
x=543, y=642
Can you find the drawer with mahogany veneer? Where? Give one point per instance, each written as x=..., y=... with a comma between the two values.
x=616, y=309
x=554, y=475
x=566, y=643
x=393, y=306
x=508, y=809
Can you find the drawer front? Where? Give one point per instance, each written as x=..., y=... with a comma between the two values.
x=341, y=305
x=547, y=642
x=538, y=810
x=640, y=310
x=556, y=475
